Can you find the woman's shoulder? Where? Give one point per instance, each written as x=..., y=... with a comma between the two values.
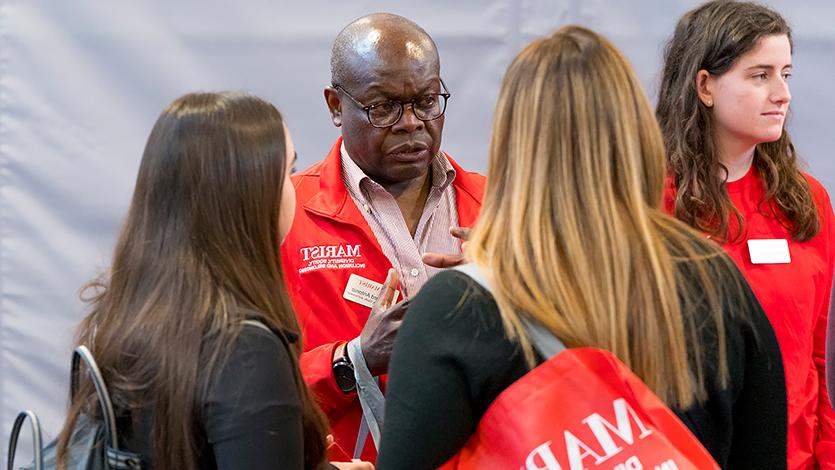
x=258, y=365
x=820, y=194
x=452, y=289
x=453, y=301
x=253, y=347
x=259, y=344
x=816, y=186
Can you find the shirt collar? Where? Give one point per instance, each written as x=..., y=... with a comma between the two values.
x=443, y=174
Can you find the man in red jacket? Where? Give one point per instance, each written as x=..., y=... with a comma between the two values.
x=383, y=197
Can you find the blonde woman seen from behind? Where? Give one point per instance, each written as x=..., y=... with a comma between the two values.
x=571, y=235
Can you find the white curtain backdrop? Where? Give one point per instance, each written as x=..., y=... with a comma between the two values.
x=82, y=82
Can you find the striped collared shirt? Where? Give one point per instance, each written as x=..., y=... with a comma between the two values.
x=387, y=223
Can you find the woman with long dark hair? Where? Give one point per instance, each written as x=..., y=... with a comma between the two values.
x=734, y=176
x=193, y=386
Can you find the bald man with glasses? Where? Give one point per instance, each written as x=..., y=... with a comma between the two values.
x=384, y=198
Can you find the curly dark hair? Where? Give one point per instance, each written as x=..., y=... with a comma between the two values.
x=713, y=37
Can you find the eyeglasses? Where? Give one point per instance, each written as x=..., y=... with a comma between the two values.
x=387, y=113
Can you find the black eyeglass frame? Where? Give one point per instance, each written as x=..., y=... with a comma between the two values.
x=367, y=108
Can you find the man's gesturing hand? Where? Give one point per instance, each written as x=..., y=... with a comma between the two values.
x=377, y=337
x=440, y=260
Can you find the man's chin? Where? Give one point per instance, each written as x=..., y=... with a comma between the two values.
x=400, y=173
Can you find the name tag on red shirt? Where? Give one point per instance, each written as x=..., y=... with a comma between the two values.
x=769, y=251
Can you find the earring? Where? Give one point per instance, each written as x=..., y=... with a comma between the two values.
x=709, y=103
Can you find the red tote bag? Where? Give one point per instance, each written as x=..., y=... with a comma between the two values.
x=582, y=409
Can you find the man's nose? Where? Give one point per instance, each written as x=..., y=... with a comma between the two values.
x=408, y=122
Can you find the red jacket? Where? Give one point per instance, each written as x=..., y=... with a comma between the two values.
x=329, y=241
x=795, y=296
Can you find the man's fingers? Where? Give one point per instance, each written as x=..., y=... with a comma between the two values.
x=443, y=261
x=462, y=233
x=398, y=310
x=389, y=289
x=438, y=260
x=354, y=464
x=433, y=259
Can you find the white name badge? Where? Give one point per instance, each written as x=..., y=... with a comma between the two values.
x=769, y=251
x=364, y=291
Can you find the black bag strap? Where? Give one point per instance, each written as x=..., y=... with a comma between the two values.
x=81, y=353
x=545, y=343
x=37, y=440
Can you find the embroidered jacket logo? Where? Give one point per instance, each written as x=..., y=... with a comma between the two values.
x=330, y=251
x=330, y=257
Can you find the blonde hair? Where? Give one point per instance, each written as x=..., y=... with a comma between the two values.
x=571, y=229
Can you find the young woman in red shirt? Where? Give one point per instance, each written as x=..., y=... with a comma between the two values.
x=734, y=176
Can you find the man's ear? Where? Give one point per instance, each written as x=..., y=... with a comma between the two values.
x=334, y=103
x=705, y=84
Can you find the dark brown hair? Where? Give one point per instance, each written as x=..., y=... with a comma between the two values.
x=199, y=249
x=713, y=37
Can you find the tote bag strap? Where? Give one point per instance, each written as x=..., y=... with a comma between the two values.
x=545, y=343
x=371, y=399
x=37, y=440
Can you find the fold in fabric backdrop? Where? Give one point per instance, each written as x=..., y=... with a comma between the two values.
x=81, y=83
